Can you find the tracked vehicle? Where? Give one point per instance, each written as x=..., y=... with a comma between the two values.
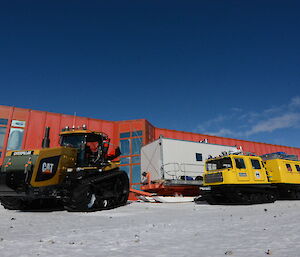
x=237, y=179
x=79, y=175
x=284, y=173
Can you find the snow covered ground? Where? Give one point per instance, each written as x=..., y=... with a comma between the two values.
x=149, y=229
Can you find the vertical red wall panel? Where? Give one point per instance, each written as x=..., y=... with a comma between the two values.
x=95, y=125
x=195, y=138
x=157, y=132
x=35, y=130
x=166, y=133
x=188, y=137
x=20, y=114
x=136, y=125
x=215, y=140
x=66, y=120
x=248, y=147
x=108, y=128
x=53, y=121
x=80, y=121
x=123, y=126
x=257, y=148
x=176, y=135
x=149, y=132
x=265, y=149
x=294, y=151
x=272, y=149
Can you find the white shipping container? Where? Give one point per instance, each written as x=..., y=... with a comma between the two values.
x=176, y=160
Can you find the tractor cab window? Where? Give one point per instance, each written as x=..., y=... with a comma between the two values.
x=92, y=142
x=219, y=164
x=72, y=140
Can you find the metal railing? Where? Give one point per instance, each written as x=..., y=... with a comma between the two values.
x=177, y=170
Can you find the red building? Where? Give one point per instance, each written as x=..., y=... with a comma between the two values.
x=24, y=129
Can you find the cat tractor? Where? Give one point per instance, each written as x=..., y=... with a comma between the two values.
x=237, y=179
x=79, y=175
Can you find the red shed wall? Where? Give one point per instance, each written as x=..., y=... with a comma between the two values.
x=36, y=121
x=248, y=146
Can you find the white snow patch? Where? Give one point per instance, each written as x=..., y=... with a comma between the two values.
x=151, y=229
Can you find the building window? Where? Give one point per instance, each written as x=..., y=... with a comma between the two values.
x=15, y=139
x=137, y=133
x=136, y=176
x=240, y=164
x=3, y=121
x=125, y=146
x=255, y=164
x=199, y=157
x=297, y=167
x=2, y=136
x=136, y=159
x=136, y=145
x=125, y=160
x=125, y=134
x=288, y=166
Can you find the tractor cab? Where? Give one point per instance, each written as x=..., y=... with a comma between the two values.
x=92, y=146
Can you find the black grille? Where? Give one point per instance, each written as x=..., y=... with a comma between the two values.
x=213, y=178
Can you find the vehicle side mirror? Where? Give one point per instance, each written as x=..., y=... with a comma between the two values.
x=115, y=155
x=117, y=152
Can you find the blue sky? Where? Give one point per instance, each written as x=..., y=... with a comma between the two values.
x=229, y=68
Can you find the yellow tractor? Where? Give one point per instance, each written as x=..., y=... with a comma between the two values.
x=79, y=175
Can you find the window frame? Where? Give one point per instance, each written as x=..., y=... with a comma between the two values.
x=133, y=158
x=129, y=147
x=140, y=141
x=125, y=135
x=215, y=162
x=201, y=157
x=138, y=133
x=290, y=166
x=244, y=163
x=256, y=160
x=5, y=123
x=4, y=135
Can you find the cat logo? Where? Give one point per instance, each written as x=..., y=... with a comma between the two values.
x=47, y=168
